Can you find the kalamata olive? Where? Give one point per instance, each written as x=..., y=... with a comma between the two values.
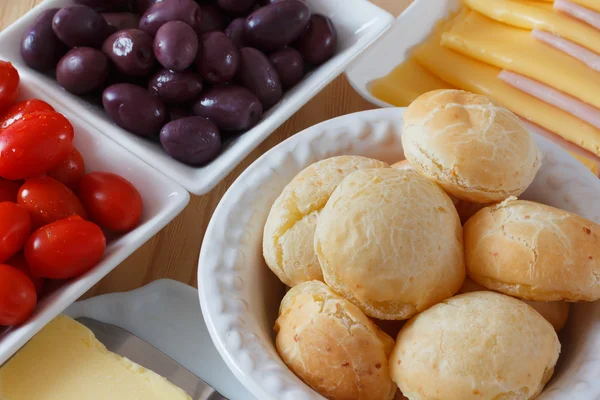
x=213, y=18
x=80, y=26
x=318, y=43
x=41, y=48
x=232, y=108
x=122, y=20
x=178, y=112
x=133, y=108
x=131, y=51
x=105, y=5
x=236, y=7
x=192, y=140
x=235, y=31
x=276, y=25
x=175, y=87
x=289, y=66
x=171, y=10
x=175, y=45
x=140, y=6
x=258, y=75
x=218, y=59
x=82, y=70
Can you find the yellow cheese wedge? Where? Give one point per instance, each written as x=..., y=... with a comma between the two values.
x=405, y=83
x=474, y=76
x=546, y=5
x=528, y=16
x=515, y=49
x=65, y=361
x=591, y=4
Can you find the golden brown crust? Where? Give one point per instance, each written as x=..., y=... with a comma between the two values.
x=555, y=312
x=390, y=241
x=533, y=251
x=479, y=345
x=332, y=346
x=289, y=230
x=477, y=151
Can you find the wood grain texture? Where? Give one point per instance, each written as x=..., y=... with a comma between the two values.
x=173, y=252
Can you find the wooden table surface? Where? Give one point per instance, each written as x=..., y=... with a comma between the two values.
x=173, y=253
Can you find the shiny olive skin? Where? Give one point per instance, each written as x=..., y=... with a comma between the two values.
x=134, y=109
x=80, y=26
x=175, y=87
x=257, y=74
x=82, y=70
x=171, y=10
x=231, y=108
x=213, y=18
x=235, y=31
x=131, y=52
x=318, y=43
x=192, y=140
x=289, y=66
x=236, y=7
x=276, y=25
x=122, y=20
x=175, y=45
x=218, y=58
x=41, y=49
x=105, y=5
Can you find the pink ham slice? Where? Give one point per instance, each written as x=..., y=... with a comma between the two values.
x=549, y=95
x=584, y=55
x=576, y=11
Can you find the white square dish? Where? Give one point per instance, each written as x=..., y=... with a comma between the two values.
x=240, y=296
x=358, y=23
x=163, y=201
x=412, y=27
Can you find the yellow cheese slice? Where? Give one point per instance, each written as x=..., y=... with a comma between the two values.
x=516, y=50
x=528, y=16
x=591, y=4
x=590, y=164
x=405, y=83
x=65, y=361
x=474, y=76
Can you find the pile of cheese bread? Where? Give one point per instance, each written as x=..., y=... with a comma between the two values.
x=540, y=59
x=362, y=243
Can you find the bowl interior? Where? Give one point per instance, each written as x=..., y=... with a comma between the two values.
x=240, y=296
x=358, y=22
x=163, y=200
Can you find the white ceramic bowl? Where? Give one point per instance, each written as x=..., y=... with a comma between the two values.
x=358, y=22
x=163, y=200
x=240, y=296
x=412, y=27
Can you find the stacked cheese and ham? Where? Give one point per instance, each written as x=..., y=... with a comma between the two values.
x=538, y=59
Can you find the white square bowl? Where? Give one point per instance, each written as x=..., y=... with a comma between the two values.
x=240, y=296
x=163, y=201
x=358, y=23
x=412, y=27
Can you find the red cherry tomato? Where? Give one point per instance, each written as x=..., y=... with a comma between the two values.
x=70, y=170
x=19, y=262
x=34, y=145
x=9, y=190
x=9, y=84
x=17, y=296
x=17, y=111
x=15, y=227
x=65, y=249
x=112, y=201
x=47, y=200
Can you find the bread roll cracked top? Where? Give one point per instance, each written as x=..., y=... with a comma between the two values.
x=332, y=346
x=479, y=345
x=390, y=241
x=477, y=151
x=534, y=251
x=289, y=230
